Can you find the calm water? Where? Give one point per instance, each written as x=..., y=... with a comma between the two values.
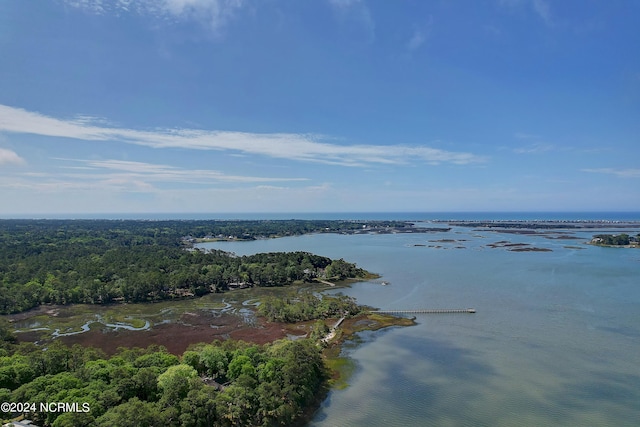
x=555, y=341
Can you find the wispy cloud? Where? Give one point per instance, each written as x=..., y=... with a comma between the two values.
x=292, y=146
x=540, y=7
x=622, y=173
x=213, y=14
x=524, y=135
x=493, y=30
x=10, y=157
x=534, y=148
x=129, y=177
x=420, y=35
x=416, y=40
x=161, y=173
x=357, y=12
x=535, y=145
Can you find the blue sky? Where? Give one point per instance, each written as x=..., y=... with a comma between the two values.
x=156, y=106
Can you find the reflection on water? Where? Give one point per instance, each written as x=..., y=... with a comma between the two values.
x=60, y=321
x=86, y=327
x=552, y=342
x=80, y=318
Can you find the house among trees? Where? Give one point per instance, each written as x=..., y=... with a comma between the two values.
x=23, y=423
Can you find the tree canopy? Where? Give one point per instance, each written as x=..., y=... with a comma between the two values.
x=232, y=383
x=622, y=239
x=100, y=262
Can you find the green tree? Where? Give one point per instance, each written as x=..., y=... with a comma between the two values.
x=146, y=382
x=237, y=406
x=175, y=382
x=214, y=361
x=7, y=337
x=241, y=364
x=134, y=413
x=198, y=409
x=74, y=419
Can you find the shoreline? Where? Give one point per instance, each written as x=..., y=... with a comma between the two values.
x=635, y=246
x=339, y=365
x=178, y=338
x=177, y=324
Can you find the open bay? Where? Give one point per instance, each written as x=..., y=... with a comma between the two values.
x=555, y=340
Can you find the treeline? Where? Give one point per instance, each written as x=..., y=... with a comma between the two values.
x=615, y=239
x=250, y=230
x=220, y=384
x=307, y=306
x=132, y=232
x=99, y=262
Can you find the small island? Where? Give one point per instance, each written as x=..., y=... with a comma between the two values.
x=621, y=240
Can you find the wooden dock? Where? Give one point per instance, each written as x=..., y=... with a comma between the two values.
x=429, y=311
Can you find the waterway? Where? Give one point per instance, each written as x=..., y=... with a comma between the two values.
x=555, y=340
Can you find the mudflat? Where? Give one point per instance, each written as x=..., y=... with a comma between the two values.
x=192, y=327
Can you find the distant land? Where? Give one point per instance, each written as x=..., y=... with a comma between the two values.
x=349, y=215
x=546, y=224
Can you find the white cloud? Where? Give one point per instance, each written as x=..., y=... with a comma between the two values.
x=417, y=40
x=535, y=144
x=622, y=173
x=493, y=30
x=534, y=148
x=166, y=173
x=344, y=3
x=299, y=147
x=524, y=135
x=10, y=157
x=420, y=35
x=357, y=12
x=211, y=13
x=510, y=3
x=541, y=7
x=89, y=188
x=117, y=176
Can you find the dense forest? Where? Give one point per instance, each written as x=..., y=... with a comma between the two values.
x=307, y=306
x=100, y=261
x=219, y=384
x=228, y=383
